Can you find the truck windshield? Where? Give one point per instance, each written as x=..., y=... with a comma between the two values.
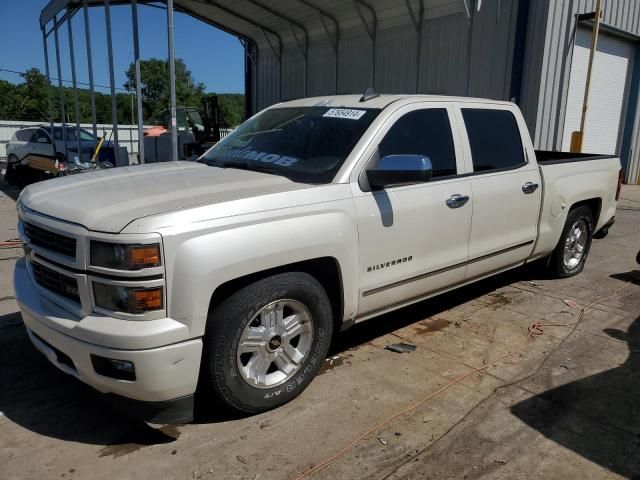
x=305, y=144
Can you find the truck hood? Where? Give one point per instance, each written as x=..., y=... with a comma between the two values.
x=107, y=200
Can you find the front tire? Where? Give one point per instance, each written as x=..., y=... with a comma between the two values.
x=571, y=253
x=265, y=343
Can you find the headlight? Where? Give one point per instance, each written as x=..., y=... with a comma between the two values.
x=127, y=299
x=125, y=257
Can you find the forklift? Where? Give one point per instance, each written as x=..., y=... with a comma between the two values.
x=198, y=130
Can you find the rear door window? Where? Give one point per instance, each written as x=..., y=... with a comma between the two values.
x=494, y=139
x=39, y=135
x=423, y=132
x=25, y=135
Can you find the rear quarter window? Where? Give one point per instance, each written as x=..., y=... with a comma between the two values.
x=24, y=135
x=494, y=138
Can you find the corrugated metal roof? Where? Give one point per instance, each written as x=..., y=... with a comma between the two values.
x=287, y=19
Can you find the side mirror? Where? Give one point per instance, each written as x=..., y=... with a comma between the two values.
x=400, y=170
x=43, y=140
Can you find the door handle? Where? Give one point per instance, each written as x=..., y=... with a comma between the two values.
x=457, y=200
x=529, y=187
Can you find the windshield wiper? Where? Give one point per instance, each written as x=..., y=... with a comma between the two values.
x=278, y=128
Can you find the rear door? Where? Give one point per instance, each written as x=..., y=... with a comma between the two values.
x=505, y=187
x=411, y=241
x=41, y=154
x=20, y=145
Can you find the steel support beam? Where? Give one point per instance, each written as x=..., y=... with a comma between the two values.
x=371, y=31
x=49, y=101
x=304, y=48
x=72, y=59
x=172, y=82
x=418, y=22
x=62, y=109
x=112, y=86
x=136, y=57
x=92, y=91
x=334, y=41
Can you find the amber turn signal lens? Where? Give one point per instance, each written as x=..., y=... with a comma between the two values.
x=144, y=256
x=145, y=300
x=119, y=256
x=128, y=299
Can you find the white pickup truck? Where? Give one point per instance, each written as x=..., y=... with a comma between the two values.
x=229, y=276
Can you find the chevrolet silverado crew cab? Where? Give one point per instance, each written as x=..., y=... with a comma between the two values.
x=228, y=276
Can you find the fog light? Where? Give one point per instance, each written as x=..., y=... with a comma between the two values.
x=113, y=368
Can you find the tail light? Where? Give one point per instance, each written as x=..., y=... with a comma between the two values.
x=620, y=178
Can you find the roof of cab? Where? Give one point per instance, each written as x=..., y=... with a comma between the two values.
x=381, y=101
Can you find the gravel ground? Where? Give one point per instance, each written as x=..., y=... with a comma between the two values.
x=563, y=405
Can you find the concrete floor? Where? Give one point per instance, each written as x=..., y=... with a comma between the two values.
x=564, y=405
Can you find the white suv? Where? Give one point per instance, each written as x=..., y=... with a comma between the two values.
x=31, y=151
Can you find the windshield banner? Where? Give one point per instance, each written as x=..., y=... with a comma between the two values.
x=265, y=157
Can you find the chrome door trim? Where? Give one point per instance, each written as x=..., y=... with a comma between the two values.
x=442, y=270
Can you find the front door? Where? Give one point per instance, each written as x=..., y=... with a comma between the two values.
x=413, y=239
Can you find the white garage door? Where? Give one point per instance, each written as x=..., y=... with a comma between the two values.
x=607, y=94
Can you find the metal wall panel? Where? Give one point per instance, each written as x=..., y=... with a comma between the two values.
x=396, y=50
x=267, y=79
x=450, y=54
x=322, y=69
x=293, y=74
x=445, y=60
x=354, y=65
x=492, y=46
x=550, y=35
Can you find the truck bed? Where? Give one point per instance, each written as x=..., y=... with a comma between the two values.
x=548, y=157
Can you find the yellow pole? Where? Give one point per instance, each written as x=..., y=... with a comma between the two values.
x=578, y=137
x=95, y=154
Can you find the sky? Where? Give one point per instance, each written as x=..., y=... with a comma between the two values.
x=214, y=57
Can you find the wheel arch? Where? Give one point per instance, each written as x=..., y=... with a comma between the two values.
x=326, y=270
x=594, y=204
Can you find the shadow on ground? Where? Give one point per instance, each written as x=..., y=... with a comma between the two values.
x=364, y=332
x=597, y=417
x=11, y=192
x=38, y=397
x=633, y=276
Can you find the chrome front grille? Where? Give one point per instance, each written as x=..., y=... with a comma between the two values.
x=50, y=240
x=56, y=282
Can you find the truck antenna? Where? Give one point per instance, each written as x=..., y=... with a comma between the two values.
x=368, y=94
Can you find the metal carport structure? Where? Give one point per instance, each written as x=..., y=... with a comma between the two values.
x=298, y=48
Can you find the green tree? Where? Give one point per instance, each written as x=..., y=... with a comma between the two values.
x=34, y=91
x=231, y=107
x=155, y=87
x=29, y=100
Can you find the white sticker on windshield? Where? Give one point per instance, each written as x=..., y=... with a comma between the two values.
x=347, y=113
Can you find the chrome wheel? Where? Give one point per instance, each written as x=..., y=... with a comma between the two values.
x=275, y=343
x=575, y=244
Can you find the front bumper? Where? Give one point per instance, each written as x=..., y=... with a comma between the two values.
x=165, y=377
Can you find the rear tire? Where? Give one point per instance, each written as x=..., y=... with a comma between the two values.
x=571, y=253
x=265, y=343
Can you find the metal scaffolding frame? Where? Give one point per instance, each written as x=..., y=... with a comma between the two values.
x=64, y=15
